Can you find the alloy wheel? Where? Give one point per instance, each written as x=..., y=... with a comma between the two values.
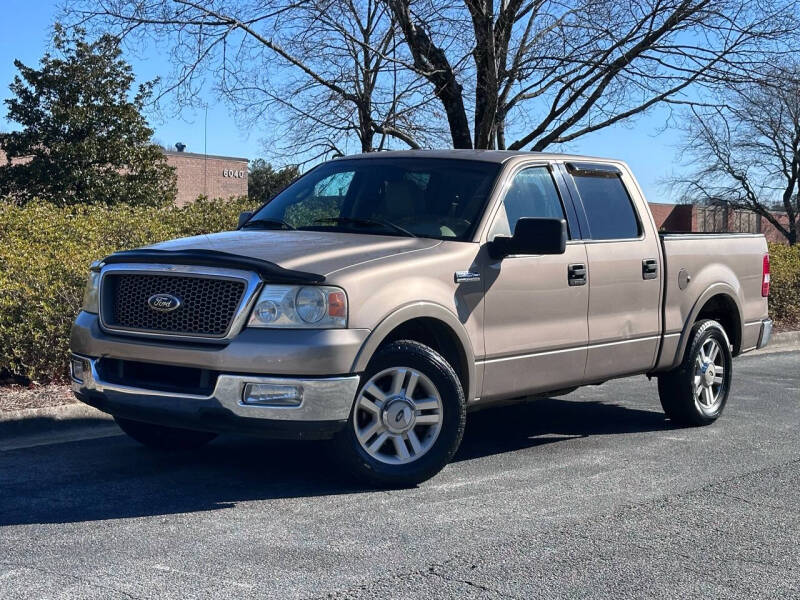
x=398, y=415
x=708, y=381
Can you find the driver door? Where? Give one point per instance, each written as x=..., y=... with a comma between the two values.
x=536, y=307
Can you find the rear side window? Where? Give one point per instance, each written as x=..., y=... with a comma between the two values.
x=608, y=207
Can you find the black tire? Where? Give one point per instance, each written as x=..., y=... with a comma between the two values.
x=410, y=355
x=676, y=389
x=160, y=437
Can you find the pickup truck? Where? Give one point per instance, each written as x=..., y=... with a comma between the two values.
x=380, y=298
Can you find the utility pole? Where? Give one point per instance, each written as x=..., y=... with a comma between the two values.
x=205, y=153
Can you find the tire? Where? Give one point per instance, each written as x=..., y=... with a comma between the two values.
x=160, y=437
x=407, y=419
x=696, y=392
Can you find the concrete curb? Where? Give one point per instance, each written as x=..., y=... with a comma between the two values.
x=29, y=426
x=63, y=412
x=782, y=342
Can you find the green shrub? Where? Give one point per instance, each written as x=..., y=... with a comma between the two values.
x=784, y=294
x=45, y=253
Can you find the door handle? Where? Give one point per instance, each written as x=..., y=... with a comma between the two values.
x=649, y=268
x=576, y=274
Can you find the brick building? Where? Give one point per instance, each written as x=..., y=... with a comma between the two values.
x=207, y=175
x=198, y=174
x=691, y=217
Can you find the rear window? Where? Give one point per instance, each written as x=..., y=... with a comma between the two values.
x=608, y=207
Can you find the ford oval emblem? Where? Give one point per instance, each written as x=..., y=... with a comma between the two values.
x=164, y=302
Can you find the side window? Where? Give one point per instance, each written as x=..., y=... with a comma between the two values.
x=608, y=207
x=325, y=201
x=532, y=193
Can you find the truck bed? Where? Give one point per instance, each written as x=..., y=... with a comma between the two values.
x=701, y=266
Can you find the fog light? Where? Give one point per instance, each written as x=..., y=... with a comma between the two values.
x=272, y=394
x=78, y=367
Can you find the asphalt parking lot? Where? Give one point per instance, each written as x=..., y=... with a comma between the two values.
x=592, y=494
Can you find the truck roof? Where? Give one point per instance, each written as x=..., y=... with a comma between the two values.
x=495, y=156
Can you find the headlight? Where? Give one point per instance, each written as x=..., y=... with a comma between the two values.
x=90, y=294
x=294, y=307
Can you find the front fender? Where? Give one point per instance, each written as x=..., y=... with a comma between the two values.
x=417, y=310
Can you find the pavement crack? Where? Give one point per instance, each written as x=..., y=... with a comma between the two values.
x=752, y=502
x=483, y=588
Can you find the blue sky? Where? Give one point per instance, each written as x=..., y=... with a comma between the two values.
x=25, y=34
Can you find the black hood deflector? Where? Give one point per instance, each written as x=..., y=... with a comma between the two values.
x=213, y=258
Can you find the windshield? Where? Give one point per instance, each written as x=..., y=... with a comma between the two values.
x=425, y=197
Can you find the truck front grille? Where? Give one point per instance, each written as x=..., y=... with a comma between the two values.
x=207, y=305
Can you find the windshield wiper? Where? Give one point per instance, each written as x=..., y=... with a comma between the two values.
x=365, y=221
x=261, y=222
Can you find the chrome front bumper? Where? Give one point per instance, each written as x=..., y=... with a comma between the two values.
x=324, y=400
x=766, y=333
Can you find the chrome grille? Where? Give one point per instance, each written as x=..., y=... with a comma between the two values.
x=207, y=305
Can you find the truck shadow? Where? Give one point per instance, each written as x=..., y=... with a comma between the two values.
x=114, y=478
x=547, y=420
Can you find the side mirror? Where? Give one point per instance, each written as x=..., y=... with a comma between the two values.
x=532, y=236
x=244, y=217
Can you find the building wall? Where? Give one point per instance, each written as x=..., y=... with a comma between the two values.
x=673, y=217
x=689, y=217
x=771, y=233
x=197, y=174
x=211, y=176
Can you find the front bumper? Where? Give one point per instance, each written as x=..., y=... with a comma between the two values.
x=271, y=352
x=766, y=333
x=323, y=410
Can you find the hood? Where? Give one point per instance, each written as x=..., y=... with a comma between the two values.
x=320, y=252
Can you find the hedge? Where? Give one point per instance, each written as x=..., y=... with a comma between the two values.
x=45, y=253
x=784, y=294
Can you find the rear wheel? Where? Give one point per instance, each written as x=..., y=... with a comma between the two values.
x=408, y=417
x=696, y=392
x=164, y=438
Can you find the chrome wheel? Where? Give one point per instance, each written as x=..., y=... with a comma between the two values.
x=398, y=415
x=708, y=382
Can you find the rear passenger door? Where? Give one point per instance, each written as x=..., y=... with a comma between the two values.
x=624, y=274
x=535, y=329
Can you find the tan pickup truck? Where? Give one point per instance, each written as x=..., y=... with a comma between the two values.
x=381, y=298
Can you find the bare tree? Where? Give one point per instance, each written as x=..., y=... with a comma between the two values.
x=746, y=151
x=552, y=71
x=315, y=73
x=479, y=72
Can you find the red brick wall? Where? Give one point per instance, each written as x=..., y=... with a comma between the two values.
x=673, y=217
x=212, y=176
x=14, y=161
x=771, y=233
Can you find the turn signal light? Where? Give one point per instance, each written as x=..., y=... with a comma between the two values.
x=337, y=304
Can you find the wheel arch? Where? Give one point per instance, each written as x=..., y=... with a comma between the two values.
x=432, y=325
x=718, y=302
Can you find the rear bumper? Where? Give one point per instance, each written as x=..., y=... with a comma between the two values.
x=323, y=410
x=765, y=334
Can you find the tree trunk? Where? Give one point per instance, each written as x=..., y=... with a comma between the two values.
x=485, y=59
x=432, y=61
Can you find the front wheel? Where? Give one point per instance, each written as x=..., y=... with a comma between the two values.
x=408, y=417
x=160, y=437
x=696, y=392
